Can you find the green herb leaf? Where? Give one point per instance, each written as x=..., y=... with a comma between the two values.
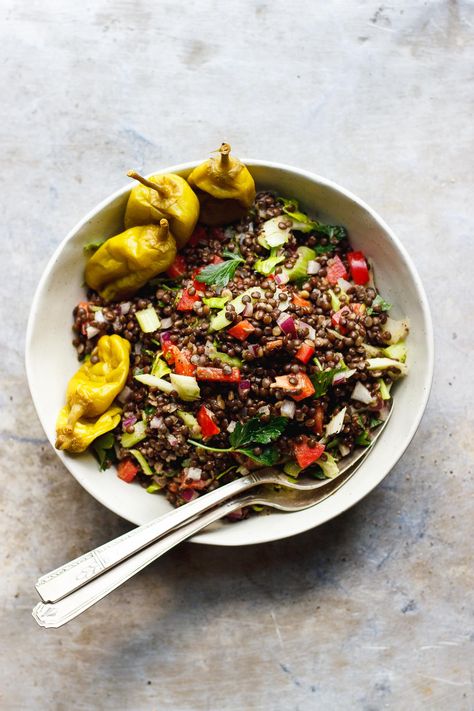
x=103, y=448
x=363, y=439
x=220, y=274
x=378, y=301
x=334, y=232
x=374, y=422
x=255, y=431
x=323, y=380
x=267, y=458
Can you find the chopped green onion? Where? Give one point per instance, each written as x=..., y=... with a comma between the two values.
x=142, y=462
x=129, y=439
x=148, y=320
x=153, y=382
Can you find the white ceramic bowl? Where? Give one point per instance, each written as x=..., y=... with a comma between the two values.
x=51, y=359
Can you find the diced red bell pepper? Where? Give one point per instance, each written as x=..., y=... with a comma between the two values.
x=217, y=375
x=198, y=235
x=358, y=267
x=182, y=363
x=178, y=268
x=319, y=420
x=206, y=422
x=336, y=319
x=127, y=470
x=335, y=270
x=187, y=301
x=301, y=303
x=306, y=455
x=303, y=384
x=241, y=330
x=169, y=350
x=304, y=352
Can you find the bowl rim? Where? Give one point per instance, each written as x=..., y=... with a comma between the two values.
x=313, y=177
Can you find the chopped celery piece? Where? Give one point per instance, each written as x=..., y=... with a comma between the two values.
x=153, y=487
x=299, y=270
x=215, y=302
x=148, y=320
x=335, y=301
x=292, y=469
x=153, y=382
x=186, y=386
x=236, y=362
x=267, y=266
x=129, y=439
x=398, y=330
x=142, y=462
x=384, y=389
x=220, y=320
x=398, y=351
x=191, y=423
x=328, y=465
x=160, y=367
x=371, y=351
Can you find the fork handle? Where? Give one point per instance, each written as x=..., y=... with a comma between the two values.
x=58, y=613
x=64, y=580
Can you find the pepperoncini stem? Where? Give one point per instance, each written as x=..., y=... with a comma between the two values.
x=75, y=413
x=224, y=150
x=162, y=190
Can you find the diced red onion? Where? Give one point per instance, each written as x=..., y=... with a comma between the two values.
x=99, y=316
x=253, y=348
x=125, y=307
x=336, y=423
x=342, y=376
x=137, y=348
x=344, y=284
x=311, y=332
x=189, y=495
x=288, y=408
x=383, y=413
x=236, y=515
x=362, y=394
x=286, y=324
x=166, y=322
x=124, y=395
x=193, y=473
x=173, y=441
x=231, y=426
x=91, y=331
x=248, y=311
x=313, y=267
x=129, y=421
x=282, y=278
x=282, y=305
x=244, y=388
x=165, y=336
x=156, y=422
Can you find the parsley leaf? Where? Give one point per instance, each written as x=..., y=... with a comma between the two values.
x=103, y=448
x=220, y=274
x=255, y=431
x=268, y=457
x=323, y=380
x=381, y=303
x=374, y=422
x=336, y=232
x=363, y=439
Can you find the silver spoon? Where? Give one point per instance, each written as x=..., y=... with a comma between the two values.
x=64, y=580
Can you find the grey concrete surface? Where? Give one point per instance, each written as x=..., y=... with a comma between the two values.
x=375, y=609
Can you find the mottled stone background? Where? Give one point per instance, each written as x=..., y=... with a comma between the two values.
x=375, y=609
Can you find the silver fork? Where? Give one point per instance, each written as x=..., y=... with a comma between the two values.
x=73, y=575
x=288, y=499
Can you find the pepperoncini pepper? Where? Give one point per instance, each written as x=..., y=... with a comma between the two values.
x=124, y=263
x=159, y=196
x=224, y=187
x=90, y=394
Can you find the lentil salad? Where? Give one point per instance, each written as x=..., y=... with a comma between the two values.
x=265, y=343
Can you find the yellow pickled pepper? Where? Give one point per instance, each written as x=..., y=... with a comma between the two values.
x=224, y=186
x=90, y=394
x=163, y=195
x=126, y=262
